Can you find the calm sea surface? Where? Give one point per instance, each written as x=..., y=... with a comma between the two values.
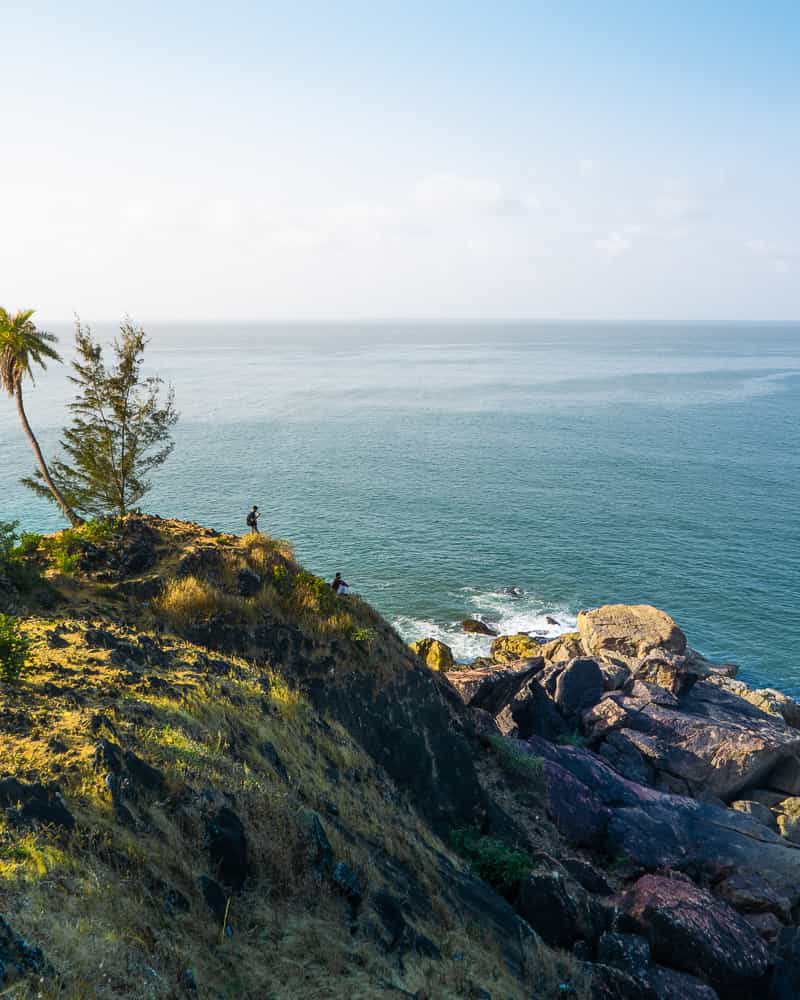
x=439, y=465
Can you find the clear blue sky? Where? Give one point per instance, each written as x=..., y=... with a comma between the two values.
x=336, y=160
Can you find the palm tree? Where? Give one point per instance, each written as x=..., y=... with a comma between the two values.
x=21, y=346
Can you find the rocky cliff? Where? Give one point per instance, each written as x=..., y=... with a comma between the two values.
x=219, y=780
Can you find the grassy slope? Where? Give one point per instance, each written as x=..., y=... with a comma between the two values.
x=106, y=901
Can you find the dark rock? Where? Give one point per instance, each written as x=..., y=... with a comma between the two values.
x=609, y=983
x=227, y=847
x=19, y=954
x=35, y=802
x=672, y=985
x=785, y=777
x=550, y=620
x=629, y=952
x=141, y=773
x=54, y=640
x=347, y=882
x=269, y=753
x=398, y=934
x=100, y=638
x=248, y=583
x=214, y=896
x=556, y=907
x=477, y=627
x=579, y=686
x=765, y=924
x=785, y=978
x=624, y=757
x=319, y=845
x=694, y=932
x=577, y=812
x=588, y=876
x=748, y=892
x=758, y=811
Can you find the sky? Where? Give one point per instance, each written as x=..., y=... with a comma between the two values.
x=468, y=160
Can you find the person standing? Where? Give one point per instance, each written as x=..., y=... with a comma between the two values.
x=252, y=520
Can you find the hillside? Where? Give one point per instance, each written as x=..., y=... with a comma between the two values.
x=219, y=780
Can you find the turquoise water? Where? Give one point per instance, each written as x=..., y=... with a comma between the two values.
x=439, y=465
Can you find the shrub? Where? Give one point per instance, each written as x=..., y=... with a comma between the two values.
x=29, y=542
x=514, y=759
x=495, y=862
x=64, y=549
x=14, y=650
x=189, y=600
x=8, y=541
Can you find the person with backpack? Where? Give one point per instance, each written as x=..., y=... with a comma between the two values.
x=339, y=585
x=252, y=520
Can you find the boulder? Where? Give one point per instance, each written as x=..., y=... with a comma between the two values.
x=785, y=979
x=785, y=777
x=556, y=907
x=609, y=983
x=748, y=892
x=579, y=686
x=708, y=742
x=36, y=802
x=437, y=655
x=476, y=627
x=248, y=583
x=665, y=670
x=766, y=925
x=615, y=676
x=767, y=699
x=565, y=647
x=629, y=952
x=627, y=633
x=672, y=985
x=470, y=682
x=595, y=806
x=520, y=646
x=694, y=932
x=758, y=811
x=227, y=846
x=789, y=819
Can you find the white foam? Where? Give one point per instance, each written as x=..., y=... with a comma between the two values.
x=506, y=613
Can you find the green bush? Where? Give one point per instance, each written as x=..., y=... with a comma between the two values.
x=64, y=549
x=14, y=650
x=29, y=542
x=492, y=860
x=8, y=542
x=516, y=760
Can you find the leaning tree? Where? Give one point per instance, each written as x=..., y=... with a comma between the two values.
x=22, y=346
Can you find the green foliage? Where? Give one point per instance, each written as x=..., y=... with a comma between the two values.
x=120, y=430
x=29, y=542
x=574, y=739
x=365, y=635
x=8, y=541
x=64, y=549
x=515, y=760
x=14, y=650
x=492, y=860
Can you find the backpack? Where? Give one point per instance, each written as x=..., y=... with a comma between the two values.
x=251, y=520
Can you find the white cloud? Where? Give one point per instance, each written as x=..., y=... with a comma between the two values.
x=679, y=208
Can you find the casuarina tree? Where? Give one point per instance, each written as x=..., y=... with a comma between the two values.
x=21, y=347
x=121, y=426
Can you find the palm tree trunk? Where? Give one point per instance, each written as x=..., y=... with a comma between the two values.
x=69, y=513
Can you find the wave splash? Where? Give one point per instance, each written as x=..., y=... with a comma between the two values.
x=508, y=611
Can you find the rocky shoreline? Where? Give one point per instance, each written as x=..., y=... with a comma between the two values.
x=666, y=768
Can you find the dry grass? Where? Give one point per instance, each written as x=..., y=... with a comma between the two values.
x=189, y=600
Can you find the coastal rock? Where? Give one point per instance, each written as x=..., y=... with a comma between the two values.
x=507, y=648
x=665, y=670
x=565, y=647
x=627, y=633
x=437, y=655
x=556, y=907
x=758, y=811
x=786, y=777
x=789, y=819
x=610, y=983
x=629, y=952
x=593, y=805
x=767, y=699
x=579, y=686
x=709, y=742
x=748, y=892
x=785, y=979
x=766, y=925
x=469, y=683
x=672, y=985
x=694, y=932
x=477, y=627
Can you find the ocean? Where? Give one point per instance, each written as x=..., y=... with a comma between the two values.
x=513, y=471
